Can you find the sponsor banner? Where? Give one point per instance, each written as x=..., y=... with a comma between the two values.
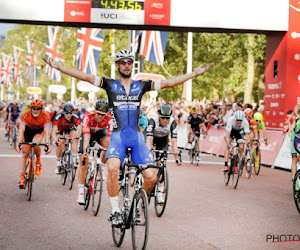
x=157, y=12
x=214, y=142
x=284, y=159
x=270, y=151
x=78, y=10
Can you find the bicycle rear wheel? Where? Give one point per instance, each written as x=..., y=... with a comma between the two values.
x=163, y=182
x=248, y=165
x=97, y=190
x=257, y=160
x=228, y=173
x=140, y=220
x=88, y=190
x=192, y=155
x=30, y=178
x=296, y=193
x=236, y=176
x=118, y=233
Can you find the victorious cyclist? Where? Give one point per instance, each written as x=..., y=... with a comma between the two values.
x=34, y=124
x=125, y=96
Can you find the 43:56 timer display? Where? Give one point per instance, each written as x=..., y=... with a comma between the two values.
x=118, y=4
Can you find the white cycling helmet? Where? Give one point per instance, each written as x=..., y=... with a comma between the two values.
x=239, y=115
x=75, y=104
x=122, y=54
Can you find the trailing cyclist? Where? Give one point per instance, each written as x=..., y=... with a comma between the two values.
x=34, y=125
x=14, y=112
x=65, y=123
x=159, y=129
x=125, y=96
x=260, y=124
x=195, y=124
x=252, y=125
x=295, y=144
x=237, y=128
x=96, y=127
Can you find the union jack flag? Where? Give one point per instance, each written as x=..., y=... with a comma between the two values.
x=152, y=45
x=89, y=47
x=6, y=68
x=17, y=67
x=18, y=53
x=31, y=53
x=52, y=51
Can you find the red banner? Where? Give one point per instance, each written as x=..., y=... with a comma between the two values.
x=282, y=74
x=157, y=12
x=78, y=11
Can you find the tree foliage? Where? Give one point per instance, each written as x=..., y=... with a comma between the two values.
x=228, y=52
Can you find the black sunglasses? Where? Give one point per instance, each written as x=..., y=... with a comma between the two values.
x=165, y=118
x=239, y=120
x=68, y=113
x=36, y=109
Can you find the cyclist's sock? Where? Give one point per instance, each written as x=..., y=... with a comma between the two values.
x=226, y=163
x=58, y=162
x=38, y=160
x=114, y=201
x=74, y=158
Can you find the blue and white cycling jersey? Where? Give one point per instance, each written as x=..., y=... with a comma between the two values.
x=124, y=111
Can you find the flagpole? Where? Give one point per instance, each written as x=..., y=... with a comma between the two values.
x=113, y=48
x=73, y=90
x=189, y=66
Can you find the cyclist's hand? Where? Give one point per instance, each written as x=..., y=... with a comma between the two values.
x=266, y=142
x=47, y=149
x=228, y=146
x=18, y=148
x=57, y=143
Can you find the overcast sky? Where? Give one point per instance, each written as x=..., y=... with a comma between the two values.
x=4, y=27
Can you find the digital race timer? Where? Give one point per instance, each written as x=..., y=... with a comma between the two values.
x=118, y=4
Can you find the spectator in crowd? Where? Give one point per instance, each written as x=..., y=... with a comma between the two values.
x=229, y=112
x=288, y=121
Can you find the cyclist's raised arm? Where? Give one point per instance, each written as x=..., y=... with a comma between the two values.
x=176, y=80
x=71, y=72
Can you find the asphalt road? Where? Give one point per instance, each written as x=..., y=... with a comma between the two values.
x=201, y=212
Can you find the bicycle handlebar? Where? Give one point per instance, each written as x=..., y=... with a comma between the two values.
x=89, y=149
x=163, y=153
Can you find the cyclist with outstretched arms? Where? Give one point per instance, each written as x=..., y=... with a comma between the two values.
x=125, y=96
x=237, y=128
x=96, y=127
x=34, y=126
x=195, y=124
x=65, y=123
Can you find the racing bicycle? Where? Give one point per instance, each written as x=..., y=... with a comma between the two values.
x=133, y=204
x=30, y=166
x=162, y=183
x=94, y=179
x=68, y=167
x=235, y=161
x=194, y=152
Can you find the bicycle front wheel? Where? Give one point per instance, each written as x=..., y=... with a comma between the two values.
x=248, y=165
x=97, y=190
x=118, y=233
x=236, y=176
x=63, y=169
x=140, y=220
x=30, y=178
x=296, y=193
x=162, y=184
x=71, y=171
x=257, y=160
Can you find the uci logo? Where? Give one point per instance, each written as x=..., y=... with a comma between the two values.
x=109, y=16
